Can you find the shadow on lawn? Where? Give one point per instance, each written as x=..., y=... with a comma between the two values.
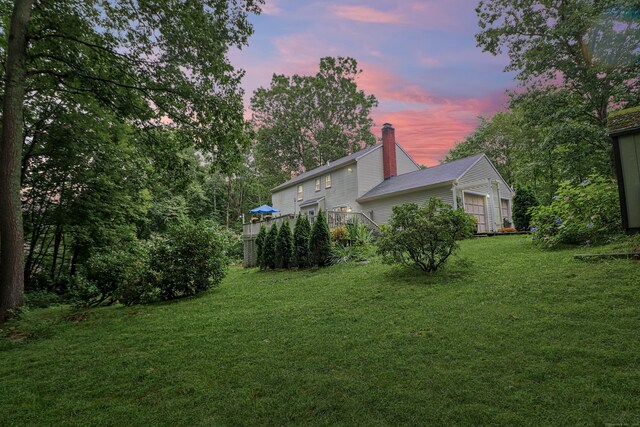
x=455, y=270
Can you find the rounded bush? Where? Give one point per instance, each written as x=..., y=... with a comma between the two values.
x=189, y=259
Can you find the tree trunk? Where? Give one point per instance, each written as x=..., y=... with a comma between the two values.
x=56, y=250
x=11, y=232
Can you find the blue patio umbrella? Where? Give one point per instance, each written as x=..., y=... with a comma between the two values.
x=264, y=209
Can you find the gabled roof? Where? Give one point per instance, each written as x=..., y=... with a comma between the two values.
x=327, y=168
x=446, y=172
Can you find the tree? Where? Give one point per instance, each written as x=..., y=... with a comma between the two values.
x=588, y=48
x=499, y=137
x=154, y=63
x=301, y=235
x=11, y=232
x=269, y=256
x=320, y=241
x=522, y=202
x=301, y=122
x=424, y=236
x=284, y=246
x=260, y=245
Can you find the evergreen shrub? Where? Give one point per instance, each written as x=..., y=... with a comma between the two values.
x=320, y=241
x=284, y=246
x=301, y=236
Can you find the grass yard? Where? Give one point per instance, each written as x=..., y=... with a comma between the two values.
x=506, y=335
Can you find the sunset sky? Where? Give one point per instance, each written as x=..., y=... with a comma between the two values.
x=419, y=58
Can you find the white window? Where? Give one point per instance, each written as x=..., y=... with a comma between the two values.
x=317, y=184
x=299, y=192
x=327, y=181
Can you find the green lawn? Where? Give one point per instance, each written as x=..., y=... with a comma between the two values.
x=506, y=335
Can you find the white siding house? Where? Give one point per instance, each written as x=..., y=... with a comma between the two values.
x=374, y=180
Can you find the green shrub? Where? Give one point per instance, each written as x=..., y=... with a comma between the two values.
x=523, y=201
x=115, y=274
x=41, y=299
x=284, y=246
x=320, y=241
x=269, y=250
x=235, y=246
x=301, y=235
x=260, y=241
x=358, y=233
x=586, y=213
x=424, y=236
x=189, y=259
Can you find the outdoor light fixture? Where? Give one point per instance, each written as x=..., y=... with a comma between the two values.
x=349, y=170
x=624, y=129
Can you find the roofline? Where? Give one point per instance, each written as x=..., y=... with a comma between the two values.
x=484, y=155
x=312, y=174
x=409, y=190
x=315, y=202
x=625, y=131
x=375, y=147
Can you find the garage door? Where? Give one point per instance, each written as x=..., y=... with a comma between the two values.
x=474, y=205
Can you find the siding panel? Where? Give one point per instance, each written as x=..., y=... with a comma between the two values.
x=382, y=208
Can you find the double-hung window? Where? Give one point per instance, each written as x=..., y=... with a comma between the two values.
x=327, y=181
x=299, y=192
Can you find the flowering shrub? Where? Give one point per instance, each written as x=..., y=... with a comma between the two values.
x=587, y=213
x=339, y=235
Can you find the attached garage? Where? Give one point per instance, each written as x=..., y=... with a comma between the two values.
x=475, y=204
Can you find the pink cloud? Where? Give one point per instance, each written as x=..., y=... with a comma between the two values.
x=386, y=85
x=429, y=133
x=435, y=15
x=270, y=7
x=366, y=14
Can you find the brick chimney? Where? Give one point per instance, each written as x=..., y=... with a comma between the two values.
x=390, y=166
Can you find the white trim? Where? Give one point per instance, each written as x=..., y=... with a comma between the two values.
x=455, y=196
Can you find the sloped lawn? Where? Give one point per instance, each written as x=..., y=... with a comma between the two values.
x=505, y=335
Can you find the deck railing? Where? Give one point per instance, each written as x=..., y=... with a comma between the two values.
x=334, y=219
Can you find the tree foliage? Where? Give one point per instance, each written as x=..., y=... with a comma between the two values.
x=301, y=122
x=301, y=236
x=424, y=236
x=320, y=241
x=589, y=48
x=145, y=65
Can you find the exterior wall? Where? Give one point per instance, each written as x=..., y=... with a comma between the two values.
x=343, y=190
x=370, y=172
x=405, y=163
x=283, y=200
x=630, y=152
x=481, y=179
x=382, y=208
x=344, y=187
